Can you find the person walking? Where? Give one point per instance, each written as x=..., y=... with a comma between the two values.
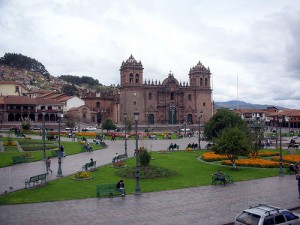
x=48, y=164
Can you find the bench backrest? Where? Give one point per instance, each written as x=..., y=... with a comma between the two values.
x=104, y=187
x=42, y=176
x=34, y=178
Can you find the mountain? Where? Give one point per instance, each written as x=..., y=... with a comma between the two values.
x=242, y=105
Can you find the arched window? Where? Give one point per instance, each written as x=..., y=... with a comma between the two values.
x=131, y=78
x=97, y=105
x=201, y=81
x=203, y=103
x=189, y=97
x=137, y=77
x=205, y=82
x=149, y=96
x=172, y=96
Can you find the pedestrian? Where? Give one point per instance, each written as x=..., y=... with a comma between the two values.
x=121, y=187
x=62, y=151
x=298, y=178
x=48, y=164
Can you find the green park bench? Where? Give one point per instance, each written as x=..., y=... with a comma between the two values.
x=89, y=166
x=19, y=159
x=215, y=180
x=36, y=180
x=119, y=158
x=109, y=190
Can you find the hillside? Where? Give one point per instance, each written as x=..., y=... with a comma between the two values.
x=242, y=105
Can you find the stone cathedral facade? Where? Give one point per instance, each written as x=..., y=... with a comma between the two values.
x=166, y=102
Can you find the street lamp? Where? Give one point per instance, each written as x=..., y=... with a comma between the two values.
x=137, y=172
x=44, y=144
x=125, y=127
x=184, y=125
x=280, y=119
x=59, y=171
x=199, y=131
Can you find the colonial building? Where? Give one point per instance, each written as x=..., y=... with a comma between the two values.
x=166, y=102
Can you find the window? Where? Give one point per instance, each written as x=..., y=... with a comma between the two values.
x=189, y=97
x=172, y=96
x=97, y=105
x=201, y=81
x=203, y=104
x=205, y=82
x=134, y=102
x=279, y=219
x=137, y=77
x=269, y=220
x=289, y=216
x=17, y=89
x=131, y=78
x=150, y=96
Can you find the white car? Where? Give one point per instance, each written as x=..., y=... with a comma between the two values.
x=89, y=129
x=267, y=215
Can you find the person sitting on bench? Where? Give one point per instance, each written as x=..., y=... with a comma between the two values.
x=220, y=177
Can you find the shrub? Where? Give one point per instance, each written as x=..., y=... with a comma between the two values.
x=145, y=157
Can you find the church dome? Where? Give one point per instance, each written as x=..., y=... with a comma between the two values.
x=131, y=63
x=170, y=79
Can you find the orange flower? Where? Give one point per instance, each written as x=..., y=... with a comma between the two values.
x=254, y=163
x=211, y=156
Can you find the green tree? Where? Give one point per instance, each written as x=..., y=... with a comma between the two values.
x=222, y=119
x=233, y=142
x=108, y=124
x=144, y=157
x=70, y=90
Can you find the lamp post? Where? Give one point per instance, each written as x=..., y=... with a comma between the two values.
x=137, y=172
x=59, y=171
x=280, y=119
x=199, y=131
x=184, y=125
x=125, y=127
x=44, y=144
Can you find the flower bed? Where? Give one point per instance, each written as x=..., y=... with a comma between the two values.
x=83, y=175
x=211, y=157
x=263, y=163
x=264, y=154
x=118, y=164
x=9, y=143
x=288, y=158
x=88, y=134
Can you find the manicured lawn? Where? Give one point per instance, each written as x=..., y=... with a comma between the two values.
x=10, y=151
x=191, y=172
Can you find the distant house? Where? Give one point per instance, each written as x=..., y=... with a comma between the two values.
x=12, y=88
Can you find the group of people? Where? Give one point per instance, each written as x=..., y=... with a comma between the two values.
x=294, y=168
x=192, y=146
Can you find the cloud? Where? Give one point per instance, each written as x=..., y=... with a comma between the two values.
x=254, y=40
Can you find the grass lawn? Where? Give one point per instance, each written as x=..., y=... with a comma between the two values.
x=10, y=151
x=190, y=173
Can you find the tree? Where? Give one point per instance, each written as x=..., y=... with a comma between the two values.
x=70, y=90
x=233, y=142
x=144, y=157
x=222, y=119
x=108, y=124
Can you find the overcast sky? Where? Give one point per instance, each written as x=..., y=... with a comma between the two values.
x=251, y=47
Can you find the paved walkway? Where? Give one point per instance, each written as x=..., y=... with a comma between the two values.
x=207, y=205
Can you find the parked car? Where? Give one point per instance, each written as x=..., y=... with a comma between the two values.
x=267, y=215
x=69, y=128
x=89, y=129
x=36, y=127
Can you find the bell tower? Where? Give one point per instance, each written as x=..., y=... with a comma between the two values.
x=200, y=76
x=131, y=72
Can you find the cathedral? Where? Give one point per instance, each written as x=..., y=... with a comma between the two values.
x=166, y=102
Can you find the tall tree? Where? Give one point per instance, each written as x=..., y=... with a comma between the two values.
x=222, y=119
x=70, y=90
x=233, y=142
